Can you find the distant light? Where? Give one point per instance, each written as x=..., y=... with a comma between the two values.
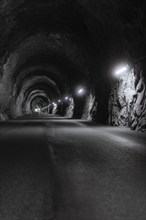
x=59, y=100
x=66, y=98
x=121, y=70
x=37, y=109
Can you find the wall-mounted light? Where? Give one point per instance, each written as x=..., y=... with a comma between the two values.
x=37, y=109
x=121, y=70
x=81, y=91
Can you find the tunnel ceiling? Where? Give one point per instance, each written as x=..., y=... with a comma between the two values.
x=68, y=42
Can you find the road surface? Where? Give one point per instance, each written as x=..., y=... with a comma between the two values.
x=63, y=169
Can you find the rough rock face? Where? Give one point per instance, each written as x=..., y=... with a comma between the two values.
x=88, y=111
x=127, y=102
x=70, y=109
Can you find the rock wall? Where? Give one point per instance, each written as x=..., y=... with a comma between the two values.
x=70, y=108
x=88, y=110
x=127, y=102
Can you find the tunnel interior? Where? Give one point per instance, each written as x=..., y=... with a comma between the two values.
x=51, y=50
x=72, y=90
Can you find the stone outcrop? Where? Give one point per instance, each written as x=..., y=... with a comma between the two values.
x=90, y=110
x=127, y=102
x=70, y=108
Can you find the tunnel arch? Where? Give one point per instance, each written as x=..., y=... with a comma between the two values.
x=71, y=42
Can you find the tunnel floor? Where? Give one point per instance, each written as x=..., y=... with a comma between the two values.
x=71, y=169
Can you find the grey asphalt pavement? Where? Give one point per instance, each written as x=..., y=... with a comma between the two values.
x=64, y=169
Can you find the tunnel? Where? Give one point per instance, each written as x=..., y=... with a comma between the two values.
x=72, y=75
x=56, y=48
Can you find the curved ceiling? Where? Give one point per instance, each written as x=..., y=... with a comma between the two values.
x=52, y=47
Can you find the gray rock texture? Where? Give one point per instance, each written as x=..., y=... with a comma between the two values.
x=70, y=108
x=127, y=102
x=88, y=113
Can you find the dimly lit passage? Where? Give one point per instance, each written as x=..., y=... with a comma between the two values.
x=72, y=109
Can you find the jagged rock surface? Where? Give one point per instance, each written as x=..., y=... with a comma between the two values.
x=70, y=109
x=88, y=113
x=127, y=102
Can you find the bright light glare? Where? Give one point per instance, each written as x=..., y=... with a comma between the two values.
x=37, y=109
x=66, y=98
x=122, y=70
x=80, y=91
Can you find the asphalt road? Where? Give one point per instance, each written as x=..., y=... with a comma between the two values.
x=63, y=169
